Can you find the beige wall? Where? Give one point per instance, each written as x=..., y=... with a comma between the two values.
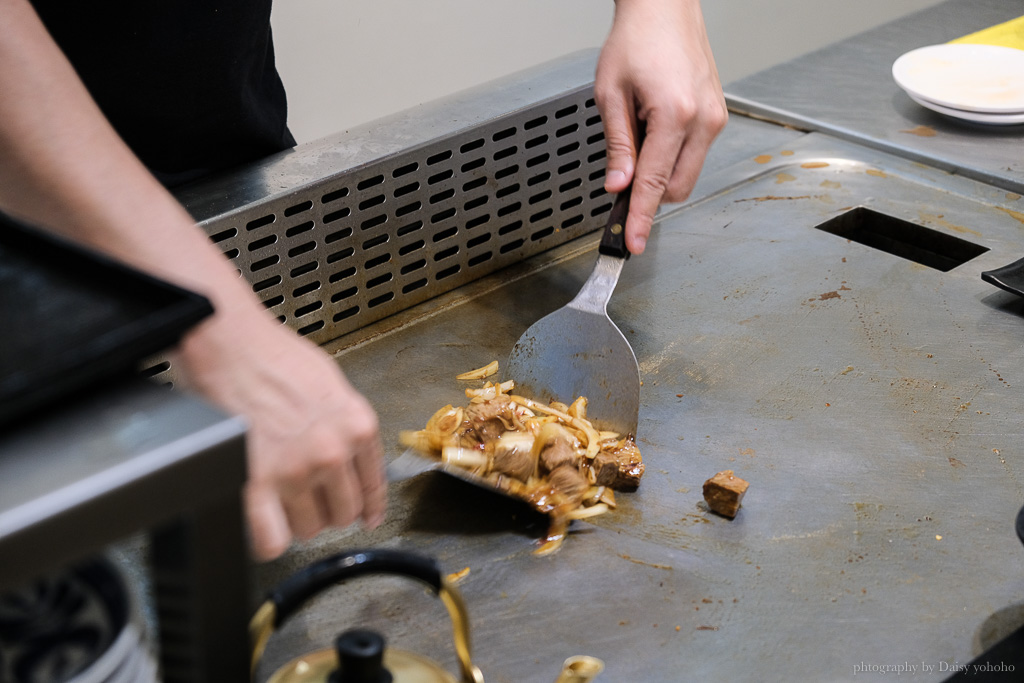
x=345, y=62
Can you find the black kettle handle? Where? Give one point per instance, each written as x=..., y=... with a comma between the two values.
x=291, y=594
x=1020, y=525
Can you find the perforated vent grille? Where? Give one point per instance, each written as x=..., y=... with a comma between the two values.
x=367, y=243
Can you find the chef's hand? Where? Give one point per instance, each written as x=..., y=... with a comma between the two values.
x=656, y=67
x=315, y=457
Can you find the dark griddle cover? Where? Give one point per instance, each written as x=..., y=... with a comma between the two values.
x=70, y=318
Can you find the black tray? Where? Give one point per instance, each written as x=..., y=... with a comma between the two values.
x=70, y=318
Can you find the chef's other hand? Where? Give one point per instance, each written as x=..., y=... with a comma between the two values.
x=314, y=452
x=656, y=67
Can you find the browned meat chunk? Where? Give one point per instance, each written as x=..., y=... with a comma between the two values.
x=569, y=482
x=515, y=462
x=557, y=453
x=620, y=468
x=490, y=419
x=489, y=430
x=723, y=493
x=468, y=438
x=490, y=409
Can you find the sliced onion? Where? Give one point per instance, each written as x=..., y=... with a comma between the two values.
x=511, y=441
x=593, y=439
x=592, y=511
x=466, y=458
x=490, y=390
x=486, y=371
x=593, y=495
x=552, y=431
x=455, y=577
x=445, y=421
x=578, y=408
x=485, y=393
x=540, y=407
x=416, y=439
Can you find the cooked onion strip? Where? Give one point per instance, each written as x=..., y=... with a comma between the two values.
x=466, y=458
x=490, y=390
x=415, y=439
x=579, y=408
x=540, y=407
x=480, y=373
x=592, y=511
x=593, y=495
x=445, y=421
x=515, y=440
x=593, y=439
x=456, y=577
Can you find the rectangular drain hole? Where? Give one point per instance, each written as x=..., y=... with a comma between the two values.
x=902, y=238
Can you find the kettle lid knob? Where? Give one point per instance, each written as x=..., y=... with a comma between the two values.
x=360, y=658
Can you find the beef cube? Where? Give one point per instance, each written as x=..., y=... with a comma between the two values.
x=569, y=482
x=723, y=493
x=486, y=417
x=619, y=468
x=490, y=409
x=516, y=462
x=489, y=430
x=557, y=453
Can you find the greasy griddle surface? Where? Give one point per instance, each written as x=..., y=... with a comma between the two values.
x=870, y=401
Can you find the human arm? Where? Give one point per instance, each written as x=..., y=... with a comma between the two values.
x=656, y=67
x=313, y=445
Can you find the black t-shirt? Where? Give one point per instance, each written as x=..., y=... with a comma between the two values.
x=190, y=85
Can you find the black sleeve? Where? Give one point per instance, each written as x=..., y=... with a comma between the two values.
x=190, y=85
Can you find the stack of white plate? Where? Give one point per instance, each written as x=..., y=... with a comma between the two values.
x=979, y=83
x=80, y=625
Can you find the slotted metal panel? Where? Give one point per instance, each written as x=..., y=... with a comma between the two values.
x=355, y=247
x=341, y=232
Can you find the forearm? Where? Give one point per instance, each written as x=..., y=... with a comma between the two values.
x=313, y=444
x=677, y=8
x=63, y=166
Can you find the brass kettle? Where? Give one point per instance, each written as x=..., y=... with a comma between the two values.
x=359, y=656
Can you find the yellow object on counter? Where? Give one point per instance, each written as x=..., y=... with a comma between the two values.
x=1007, y=34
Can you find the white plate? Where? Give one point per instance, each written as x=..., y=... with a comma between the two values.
x=992, y=119
x=978, y=78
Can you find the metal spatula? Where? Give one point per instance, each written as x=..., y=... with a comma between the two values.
x=578, y=350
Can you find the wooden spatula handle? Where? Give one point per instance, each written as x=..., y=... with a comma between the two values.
x=613, y=242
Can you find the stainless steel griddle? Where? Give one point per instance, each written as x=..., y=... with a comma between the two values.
x=869, y=399
x=866, y=387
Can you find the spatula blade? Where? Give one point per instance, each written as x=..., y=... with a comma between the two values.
x=578, y=350
x=572, y=353
x=410, y=464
